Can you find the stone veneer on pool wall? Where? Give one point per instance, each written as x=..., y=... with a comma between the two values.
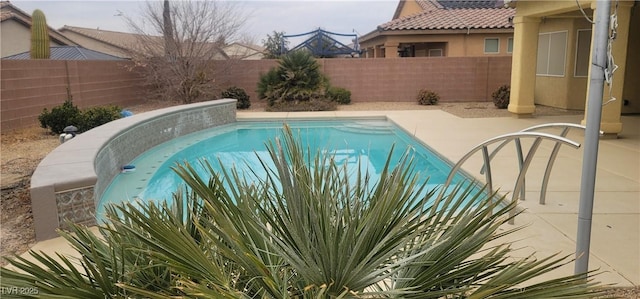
x=70, y=180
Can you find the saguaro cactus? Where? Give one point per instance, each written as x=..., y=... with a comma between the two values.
x=39, y=36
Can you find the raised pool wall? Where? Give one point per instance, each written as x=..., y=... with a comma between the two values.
x=70, y=180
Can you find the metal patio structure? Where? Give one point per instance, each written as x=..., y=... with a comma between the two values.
x=321, y=43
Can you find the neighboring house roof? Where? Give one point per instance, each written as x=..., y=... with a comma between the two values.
x=453, y=19
x=425, y=5
x=122, y=40
x=69, y=53
x=10, y=12
x=451, y=14
x=252, y=47
x=127, y=42
x=239, y=50
x=453, y=4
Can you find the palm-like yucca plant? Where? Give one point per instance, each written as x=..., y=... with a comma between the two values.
x=296, y=79
x=310, y=228
x=300, y=71
x=266, y=84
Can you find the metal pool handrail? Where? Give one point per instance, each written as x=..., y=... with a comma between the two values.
x=566, y=127
x=539, y=136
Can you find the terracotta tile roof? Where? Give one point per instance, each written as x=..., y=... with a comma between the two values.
x=463, y=18
x=428, y=4
x=470, y=3
x=4, y=13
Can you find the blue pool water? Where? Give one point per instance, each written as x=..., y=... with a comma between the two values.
x=240, y=144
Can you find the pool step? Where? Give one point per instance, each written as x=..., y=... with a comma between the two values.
x=367, y=128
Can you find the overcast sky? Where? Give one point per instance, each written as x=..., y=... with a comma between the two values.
x=292, y=17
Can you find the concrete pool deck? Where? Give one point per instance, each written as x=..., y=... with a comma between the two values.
x=550, y=228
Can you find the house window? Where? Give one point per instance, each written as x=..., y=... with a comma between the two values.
x=510, y=45
x=552, y=52
x=435, y=52
x=491, y=45
x=583, y=46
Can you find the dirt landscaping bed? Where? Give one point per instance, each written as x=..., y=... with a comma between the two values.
x=22, y=151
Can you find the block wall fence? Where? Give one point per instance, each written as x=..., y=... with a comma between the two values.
x=28, y=86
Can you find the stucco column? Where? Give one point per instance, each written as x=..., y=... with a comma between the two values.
x=378, y=51
x=610, y=122
x=523, y=66
x=391, y=50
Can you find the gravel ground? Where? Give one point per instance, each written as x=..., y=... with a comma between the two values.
x=22, y=150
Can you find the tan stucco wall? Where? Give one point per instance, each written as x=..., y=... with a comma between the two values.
x=568, y=91
x=459, y=44
x=236, y=51
x=553, y=15
x=474, y=44
x=92, y=44
x=409, y=7
x=536, y=8
x=16, y=38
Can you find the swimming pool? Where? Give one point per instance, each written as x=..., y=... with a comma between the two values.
x=242, y=143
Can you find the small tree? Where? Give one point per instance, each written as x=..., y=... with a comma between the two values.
x=179, y=46
x=274, y=45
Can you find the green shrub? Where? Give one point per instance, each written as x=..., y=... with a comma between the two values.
x=427, y=97
x=315, y=104
x=97, y=116
x=68, y=114
x=501, y=96
x=60, y=117
x=238, y=94
x=339, y=95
